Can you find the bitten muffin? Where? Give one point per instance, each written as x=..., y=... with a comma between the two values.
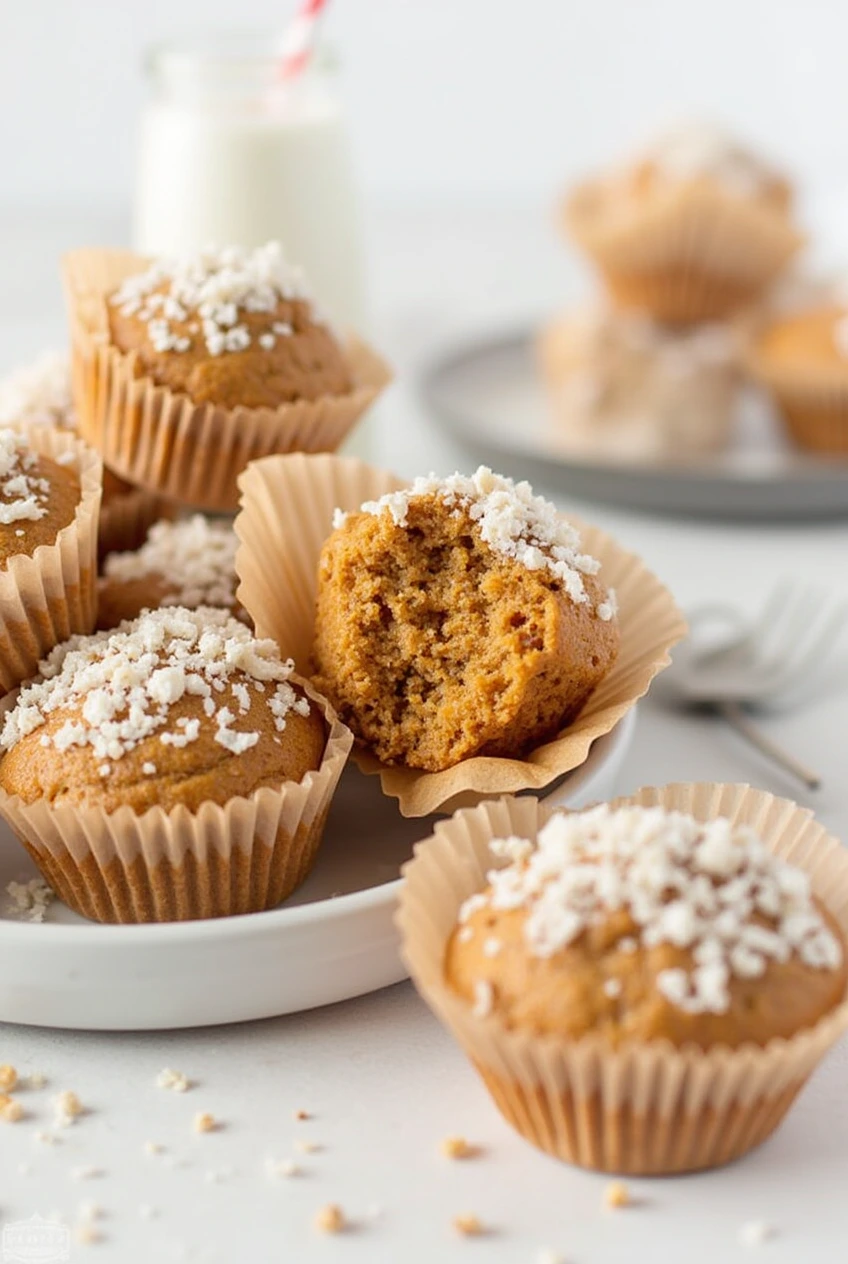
x=40, y=393
x=459, y=618
x=622, y=386
x=120, y=755
x=188, y=563
x=694, y=230
x=230, y=327
x=639, y=924
x=800, y=357
x=38, y=497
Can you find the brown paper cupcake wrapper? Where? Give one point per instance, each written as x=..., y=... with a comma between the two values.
x=813, y=406
x=286, y=515
x=242, y=857
x=46, y=597
x=126, y=518
x=689, y=255
x=160, y=440
x=645, y=1108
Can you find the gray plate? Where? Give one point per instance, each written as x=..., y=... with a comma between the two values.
x=489, y=396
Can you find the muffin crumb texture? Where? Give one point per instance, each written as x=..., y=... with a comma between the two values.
x=38, y=496
x=231, y=327
x=459, y=617
x=180, y=707
x=641, y=923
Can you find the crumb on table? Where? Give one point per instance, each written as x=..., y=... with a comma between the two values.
x=617, y=1195
x=330, y=1219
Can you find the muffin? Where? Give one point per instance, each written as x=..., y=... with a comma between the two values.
x=169, y=769
x=459, y=618
x=49, y=502
x=800, y=357
x=187, y=369
x=625, y=388
x=694, y=230
x=644, y=986
x=188, y=563
x=40, y=394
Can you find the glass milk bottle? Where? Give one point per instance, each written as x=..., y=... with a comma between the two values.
x=230, y=155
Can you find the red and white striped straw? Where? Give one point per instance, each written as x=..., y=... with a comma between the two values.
x=299, y=39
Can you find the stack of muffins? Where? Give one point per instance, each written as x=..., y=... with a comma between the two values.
x=688, y=242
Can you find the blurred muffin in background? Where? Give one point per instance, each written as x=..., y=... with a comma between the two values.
x=39, y=393
x=799, y=355
x=695, y=229
x=624, y=387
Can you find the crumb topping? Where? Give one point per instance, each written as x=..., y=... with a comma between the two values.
x=511, y=520
x=29, y=900
x=209, y=290
x=39, y=392
x=710, y=887
x=694, y=150
x=125, y=682
x=23, y=495
x=195, y=557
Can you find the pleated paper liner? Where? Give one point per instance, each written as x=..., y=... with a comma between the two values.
x=286, y=515
x=686, y=255
x=126, y=517
x=242, y=857
x=48, y=596
x=813, y=405
x=159, y=439
x=644, y=1108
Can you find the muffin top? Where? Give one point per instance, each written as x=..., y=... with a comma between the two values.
x=179, y=707
x=232, y=327
x=509, y=518
x=639, y=923
x=187, y=563
x=39, y=392
x=38, y=496
x=813, y=337
x=698, y=151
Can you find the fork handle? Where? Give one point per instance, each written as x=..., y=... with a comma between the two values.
x=741, y=721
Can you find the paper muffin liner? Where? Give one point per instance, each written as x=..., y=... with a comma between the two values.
x=126, y=517
x=159, y=439
x=48, y=596
x=813, y=404
x=286, y=515
x=686, y=255
x=644, y=1108
x=244, y=856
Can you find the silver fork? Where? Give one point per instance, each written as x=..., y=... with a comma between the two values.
x=763, y=663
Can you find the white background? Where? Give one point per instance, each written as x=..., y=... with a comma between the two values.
x=479, y=99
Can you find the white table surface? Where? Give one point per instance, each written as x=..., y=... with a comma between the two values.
x=384, y=1081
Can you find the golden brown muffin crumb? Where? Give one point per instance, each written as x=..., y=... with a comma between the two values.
x=330, y=1219
x=457, y=619
x=469, y=1225
x=38, y=497
x=231, y=327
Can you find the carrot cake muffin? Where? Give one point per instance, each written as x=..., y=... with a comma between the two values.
x=40, y=393
x=623, y=387
x=800, y=357
x=459, y=618
x=232, y=327
x=640, y=924
x=694, y=230
x=38, y=496
x=187, y=563
x=177, y=711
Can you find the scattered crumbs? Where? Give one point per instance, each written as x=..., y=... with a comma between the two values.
x=281, y=1169
x=11, y=1110
x=24, y=1169
x=469, y=1225
x=174, y=1080
x=86, y=1233
x=146, y=1212
x=89, y=1210
x=68, y=1108
x=547, y=1256
x=617, y=1195
x=308, y=1147
x=35, y=1080
x=756, y=1232
x=302, y=1114
x=627, y=944
x=47, y=1138
x=330, y=1219
x=86, y=1173
x=612, y=988
x=492, y=946
x=204, y=1122
x=148, y=768
x=465, y=934
x=8, y=1078
x=153, y=1147
x=458, y=1148
x=30, y=899
x=483, y=996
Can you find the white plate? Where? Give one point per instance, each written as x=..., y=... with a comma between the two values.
x=489, y=395
x=334, y=939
